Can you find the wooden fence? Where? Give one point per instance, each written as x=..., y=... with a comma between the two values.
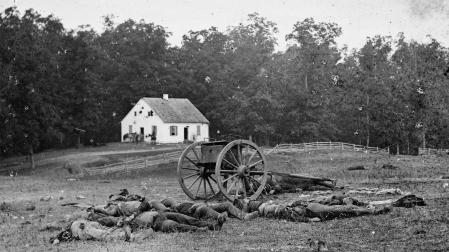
x=431, y=151
x=305, y=147
x=144, y=163
x=136, y=164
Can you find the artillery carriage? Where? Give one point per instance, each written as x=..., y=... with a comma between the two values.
x=236, y=169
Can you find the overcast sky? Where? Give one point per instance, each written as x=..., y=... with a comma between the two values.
x=358, y=18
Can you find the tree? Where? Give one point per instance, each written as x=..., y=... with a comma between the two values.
x=223, y=71
x=251, y=46
x=83, y=94
x=423, y=90
x=311, y=64
x=374, y=94
x=29, y=82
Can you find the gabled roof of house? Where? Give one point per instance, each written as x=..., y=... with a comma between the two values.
x=175, y=110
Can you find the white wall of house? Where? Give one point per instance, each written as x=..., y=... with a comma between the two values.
x=192, y=132
x=138, y=118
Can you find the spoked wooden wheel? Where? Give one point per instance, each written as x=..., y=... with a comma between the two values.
x=241, y=170
x=197, y=179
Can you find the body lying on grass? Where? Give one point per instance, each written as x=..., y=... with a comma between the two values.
x=278, y=182
x=325, y=208
x=125, y=216
x=82, y=229
x=130, y=219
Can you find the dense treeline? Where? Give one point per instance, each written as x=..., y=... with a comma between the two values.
x=54, y=81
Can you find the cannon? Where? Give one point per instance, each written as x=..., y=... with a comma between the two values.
x=236, y=169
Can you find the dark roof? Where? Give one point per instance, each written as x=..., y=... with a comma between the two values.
x=175, y=110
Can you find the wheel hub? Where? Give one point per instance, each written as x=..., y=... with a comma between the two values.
x=203, y=172
x=243, y=171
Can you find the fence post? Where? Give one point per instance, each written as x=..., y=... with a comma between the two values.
x=291, y=147
x=353, y=146
x=428, y=151
x=305, y=147
x=342, y=146
x=377, y=149
x=145, y=164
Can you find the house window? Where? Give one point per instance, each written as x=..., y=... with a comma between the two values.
x=150, y=113
x=198, y=130
x=135, y=113
x=130, y=129
x=173, y=130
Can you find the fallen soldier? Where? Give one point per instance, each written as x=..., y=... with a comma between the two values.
x=325, y=208
x=143, y=214
x=124, y=195
x=91, y=230
x=214, y=211
x=278, y=182
x=210, y=211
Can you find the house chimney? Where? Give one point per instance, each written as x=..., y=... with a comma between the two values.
x=165, y=97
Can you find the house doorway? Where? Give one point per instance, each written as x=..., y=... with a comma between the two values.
x=142, y=130
x=186, y=133
x=154, y=130
x=153, y=134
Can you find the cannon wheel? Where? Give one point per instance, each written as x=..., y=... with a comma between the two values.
x=241, y=170
x=196, y=180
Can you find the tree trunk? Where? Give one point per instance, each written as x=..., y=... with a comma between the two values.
x=408, y=146
x=78, y=141
x=367, y=122
x=305, y=83
x=267, y=140
x=33, y=165
x=424, y=138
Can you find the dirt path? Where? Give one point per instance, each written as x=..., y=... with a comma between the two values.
x=86, y=156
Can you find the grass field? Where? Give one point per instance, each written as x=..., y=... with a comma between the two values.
x=68, y=161
x=416, y=229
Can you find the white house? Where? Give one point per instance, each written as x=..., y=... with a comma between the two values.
x=171, y=120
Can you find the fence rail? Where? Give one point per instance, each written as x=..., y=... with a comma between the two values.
x=431, y=151
x=136, y=164
x=164, y=158
x=304, y=147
